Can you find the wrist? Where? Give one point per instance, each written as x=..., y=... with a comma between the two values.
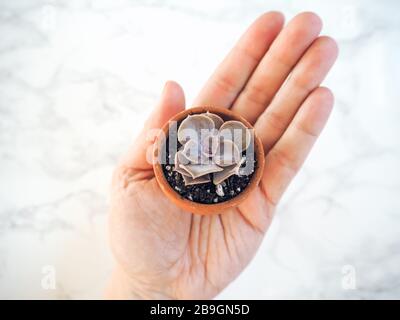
x=122, y=287
x=118, y=288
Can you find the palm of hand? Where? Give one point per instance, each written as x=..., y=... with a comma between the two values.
x=165, y=252
x=191, y=256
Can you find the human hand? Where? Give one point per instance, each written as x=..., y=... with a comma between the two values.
x=271, y=77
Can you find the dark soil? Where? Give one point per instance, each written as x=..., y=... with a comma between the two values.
x=205, y=192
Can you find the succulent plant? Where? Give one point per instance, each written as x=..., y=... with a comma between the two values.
x=211, y=148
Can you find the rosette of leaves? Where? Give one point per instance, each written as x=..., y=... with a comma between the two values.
x=211, y=148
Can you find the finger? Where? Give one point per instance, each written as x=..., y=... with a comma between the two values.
x=285, y=159
x=306, y=76
x=231, y=75
x=171, y=102
x=276, y=65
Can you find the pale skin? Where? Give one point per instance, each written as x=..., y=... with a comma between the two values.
x=163, y=252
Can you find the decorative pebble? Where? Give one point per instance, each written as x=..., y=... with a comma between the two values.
x=245, y=172
x=215, y=200
x=219, y=190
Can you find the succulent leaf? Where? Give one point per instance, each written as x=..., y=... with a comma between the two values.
x=209, y=144
x=198, y=170
x=237, y=132
x=190, y=181
x=218, y=121
x=227, y=153
x=191, y=151
x=180, y=159
x=192, y=126
x=227, y=172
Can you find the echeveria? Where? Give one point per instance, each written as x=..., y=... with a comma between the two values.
x=210, y=146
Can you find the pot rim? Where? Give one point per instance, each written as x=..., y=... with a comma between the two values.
x=205, y=208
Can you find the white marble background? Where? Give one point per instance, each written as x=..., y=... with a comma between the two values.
x=77, y=78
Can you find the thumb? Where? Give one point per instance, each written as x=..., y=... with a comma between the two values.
x=171, y=102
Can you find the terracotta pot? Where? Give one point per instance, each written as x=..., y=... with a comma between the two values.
x=201, y=208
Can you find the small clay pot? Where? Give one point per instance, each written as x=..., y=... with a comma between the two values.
x=215, y=208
